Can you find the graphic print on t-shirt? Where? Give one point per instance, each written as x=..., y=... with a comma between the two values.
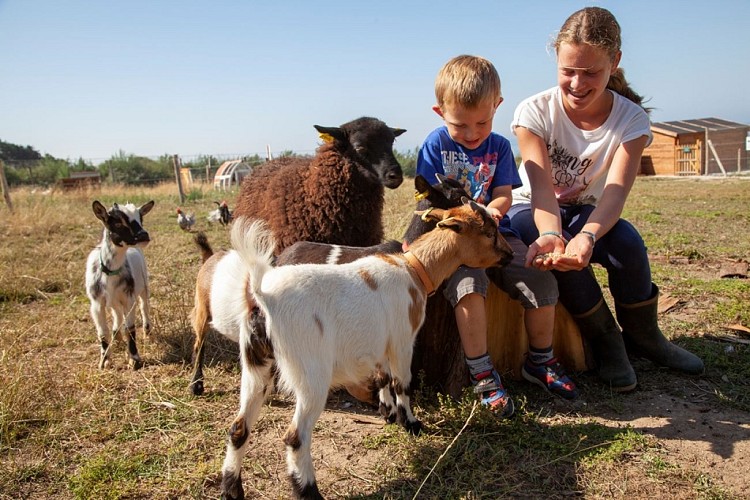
x=566, y=168
x=475, y=173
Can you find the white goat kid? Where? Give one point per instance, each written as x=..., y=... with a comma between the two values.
x=116, y=276
x=332, y=325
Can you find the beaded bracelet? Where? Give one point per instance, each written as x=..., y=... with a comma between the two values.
x=552, y=233
x=590, y=235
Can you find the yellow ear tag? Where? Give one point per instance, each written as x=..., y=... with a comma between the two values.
x=326, y=137
x=421, y=196
x=426, y=213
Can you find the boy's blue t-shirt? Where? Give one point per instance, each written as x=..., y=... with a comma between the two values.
x=480, y=170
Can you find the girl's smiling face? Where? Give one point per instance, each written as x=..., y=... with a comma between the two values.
x=583, y=73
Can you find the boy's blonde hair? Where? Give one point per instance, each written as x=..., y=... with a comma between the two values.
x=467, y=81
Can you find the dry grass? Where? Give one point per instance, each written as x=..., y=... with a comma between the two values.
x=69, y=430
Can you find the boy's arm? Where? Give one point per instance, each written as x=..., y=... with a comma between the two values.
x=500, y=202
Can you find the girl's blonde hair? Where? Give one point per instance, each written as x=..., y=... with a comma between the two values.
x=598, y=28
x=467, y=81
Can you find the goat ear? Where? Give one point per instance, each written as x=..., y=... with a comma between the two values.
x=422, y=186
x=451, y=223
x=100, y=211
x=337, y=133
x=398, y=131
x=146, y=208
x=474, y=205
x=480, y=209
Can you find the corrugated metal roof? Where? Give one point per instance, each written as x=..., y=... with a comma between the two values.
x=691, y=126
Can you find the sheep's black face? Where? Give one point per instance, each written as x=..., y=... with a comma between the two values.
x=372, y=140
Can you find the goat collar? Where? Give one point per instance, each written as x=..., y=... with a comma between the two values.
x=106, y=270
x=419, y=268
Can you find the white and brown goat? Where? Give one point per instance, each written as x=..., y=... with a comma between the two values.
x=117, y=278
x=332, y=325
x=446, y=194
x=302, y=252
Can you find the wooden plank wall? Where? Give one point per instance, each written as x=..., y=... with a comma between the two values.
x=659, y=157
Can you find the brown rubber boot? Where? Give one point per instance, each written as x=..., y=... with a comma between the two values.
x=642, y=333
x=601, y=333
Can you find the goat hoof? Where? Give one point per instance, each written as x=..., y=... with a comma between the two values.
x=413, y=428
x=197, y=388
x=104, y=363
x=387, y=413
x=231, y=488
x=135, y=363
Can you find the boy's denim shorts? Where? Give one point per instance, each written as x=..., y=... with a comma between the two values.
x=531, y=287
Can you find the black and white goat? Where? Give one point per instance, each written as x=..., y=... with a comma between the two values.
x=116, y=276
x=333, y=325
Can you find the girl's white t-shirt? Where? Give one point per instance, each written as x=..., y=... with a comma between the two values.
x=580, y=159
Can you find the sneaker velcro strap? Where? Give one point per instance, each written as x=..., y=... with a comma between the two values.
x=488, y=384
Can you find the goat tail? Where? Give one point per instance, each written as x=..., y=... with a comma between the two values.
x=201, y=240
x=255, y=244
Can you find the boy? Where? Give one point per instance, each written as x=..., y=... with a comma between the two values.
x=468, y=93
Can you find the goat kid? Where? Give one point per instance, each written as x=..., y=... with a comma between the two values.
x=446, y=194
x=301, y=252
x=332, y=325
x=116, y=277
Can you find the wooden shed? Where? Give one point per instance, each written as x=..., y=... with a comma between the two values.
x=80, y=180
x=697, y=147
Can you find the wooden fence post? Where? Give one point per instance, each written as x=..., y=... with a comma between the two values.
x=716, y=155
x=4, y=184
x=176, y=163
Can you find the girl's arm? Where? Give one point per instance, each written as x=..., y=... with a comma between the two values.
x=620, y=178
x=544, y=205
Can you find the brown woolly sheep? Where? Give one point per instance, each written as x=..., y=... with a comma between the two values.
x=336, y=196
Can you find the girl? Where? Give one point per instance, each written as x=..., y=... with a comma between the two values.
x=581, y=144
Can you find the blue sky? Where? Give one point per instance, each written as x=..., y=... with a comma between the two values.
x=92, y=78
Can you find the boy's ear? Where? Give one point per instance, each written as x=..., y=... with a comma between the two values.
x=437, y=110
x=499, y=102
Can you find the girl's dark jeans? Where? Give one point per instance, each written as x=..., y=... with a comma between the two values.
x=621, y=252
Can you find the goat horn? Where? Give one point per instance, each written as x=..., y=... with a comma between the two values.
x=442, y=222
x=426, y=213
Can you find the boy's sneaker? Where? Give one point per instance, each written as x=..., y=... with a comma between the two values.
x=492, y=394
x=550, y=376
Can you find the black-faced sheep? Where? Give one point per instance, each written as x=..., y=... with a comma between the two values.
x=337, y=196
x=116, y=276
x=332, y=325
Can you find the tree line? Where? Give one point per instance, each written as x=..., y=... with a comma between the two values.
x=26, y=166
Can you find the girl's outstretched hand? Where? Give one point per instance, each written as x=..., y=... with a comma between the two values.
x=561, y=257
x=542, y=251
